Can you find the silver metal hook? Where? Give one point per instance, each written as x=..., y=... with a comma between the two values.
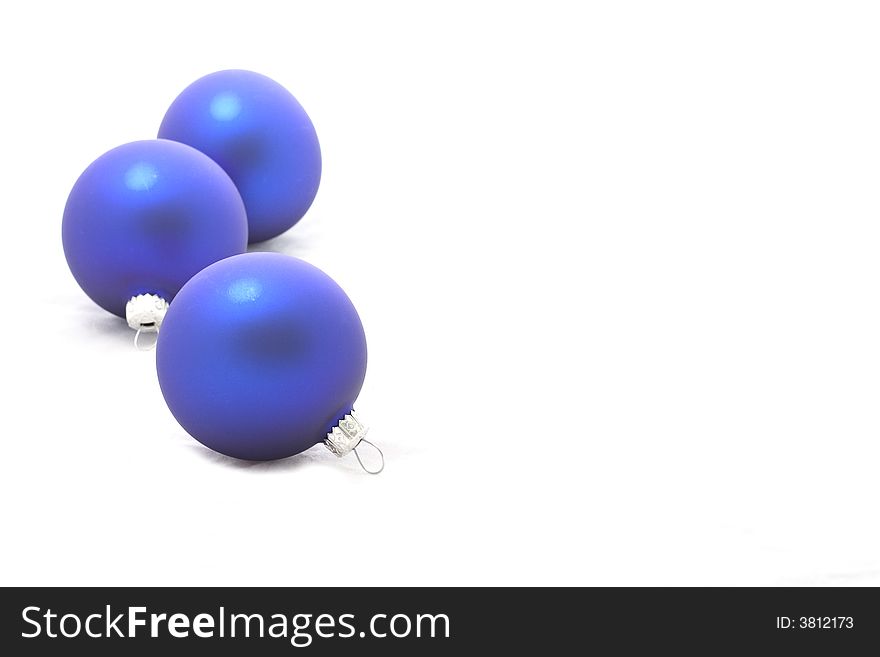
x=347, y=436
x=145, y=313
x=150, y=346
x=381, y=456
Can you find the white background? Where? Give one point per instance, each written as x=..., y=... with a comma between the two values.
x=617, y=265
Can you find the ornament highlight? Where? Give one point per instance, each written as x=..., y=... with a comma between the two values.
x=260, y=134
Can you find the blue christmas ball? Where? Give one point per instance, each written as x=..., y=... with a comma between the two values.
x=258, y=132
x=145, y=217
x=260, y=355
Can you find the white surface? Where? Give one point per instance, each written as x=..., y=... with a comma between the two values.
x=617, y=264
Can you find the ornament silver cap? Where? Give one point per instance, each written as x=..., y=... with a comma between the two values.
x=145, y=313
x=347, y=435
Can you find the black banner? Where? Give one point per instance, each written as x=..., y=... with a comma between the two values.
x=118, y=621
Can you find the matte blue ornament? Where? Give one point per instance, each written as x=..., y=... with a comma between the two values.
x=145, y=217
x=262, y=356
x=258, y=132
